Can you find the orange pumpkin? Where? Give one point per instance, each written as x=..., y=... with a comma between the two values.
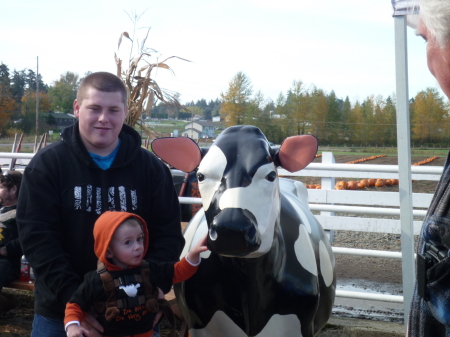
x=379, y=183
x=351, y=185
x=343, y=184
x=372, y=182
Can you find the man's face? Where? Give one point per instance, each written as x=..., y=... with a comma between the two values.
x=101, y=116
x=437, y=58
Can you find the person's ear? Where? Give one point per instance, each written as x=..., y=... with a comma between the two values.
x=126, y=113
x=76, y=109
x=108, y=254
x=14, y=190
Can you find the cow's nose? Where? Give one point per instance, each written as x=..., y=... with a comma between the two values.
x=234, y=232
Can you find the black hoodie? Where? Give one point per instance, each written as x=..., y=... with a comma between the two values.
x=63, y=193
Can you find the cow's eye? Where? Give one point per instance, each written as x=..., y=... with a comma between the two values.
x=271, y=176
x=200, y=176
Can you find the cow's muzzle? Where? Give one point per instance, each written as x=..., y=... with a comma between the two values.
x=234, y=233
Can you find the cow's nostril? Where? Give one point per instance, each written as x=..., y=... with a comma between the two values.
x=251, y=235
x=212, y=234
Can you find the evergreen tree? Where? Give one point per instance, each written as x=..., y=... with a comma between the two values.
x=7, y=102
x=18, y=85
x=4, y=77
x=345, y=117
x=390, y=120
x=333, y=119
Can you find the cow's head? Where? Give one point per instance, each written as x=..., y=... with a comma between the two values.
x=238, y=182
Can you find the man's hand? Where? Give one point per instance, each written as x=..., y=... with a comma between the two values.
x=159, y=313
x=92, y=326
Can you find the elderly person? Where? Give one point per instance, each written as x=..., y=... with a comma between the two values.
x=10, y=251
x=430, y=308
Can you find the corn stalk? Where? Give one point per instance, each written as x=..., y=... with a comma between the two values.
x=143, y=91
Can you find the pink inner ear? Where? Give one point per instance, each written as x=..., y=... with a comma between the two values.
x=297, y=152
x=180, y=152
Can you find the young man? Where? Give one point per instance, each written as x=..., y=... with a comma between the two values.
x=98, y=165
x=121, y=241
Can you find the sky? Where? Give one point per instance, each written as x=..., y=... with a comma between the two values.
x=346, y=46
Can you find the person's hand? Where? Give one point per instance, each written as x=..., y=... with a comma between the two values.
x=73, y=330
x=159, y=313
x=91, y=325
x=3, y=251
x=194, y=254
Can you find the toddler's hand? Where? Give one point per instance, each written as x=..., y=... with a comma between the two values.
x=194, y=254
x=73, y=330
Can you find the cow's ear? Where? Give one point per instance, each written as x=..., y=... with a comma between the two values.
x=296, y=152
x=180, y=152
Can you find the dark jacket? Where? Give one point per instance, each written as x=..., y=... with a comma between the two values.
x=63, y=193
x=431, y=318
x=133, y=320
x=10, y=236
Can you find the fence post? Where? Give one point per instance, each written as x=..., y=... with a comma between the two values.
x=404, y=162
x=328, y=183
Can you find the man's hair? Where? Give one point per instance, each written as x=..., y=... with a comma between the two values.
x=11, y=179
x=102, y=81
x=435, y=15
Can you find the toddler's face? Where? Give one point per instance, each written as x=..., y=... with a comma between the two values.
x=127, y=245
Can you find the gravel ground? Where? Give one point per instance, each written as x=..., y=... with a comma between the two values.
x=368, y=268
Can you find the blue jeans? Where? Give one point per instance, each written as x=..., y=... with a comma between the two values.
x=47, y=327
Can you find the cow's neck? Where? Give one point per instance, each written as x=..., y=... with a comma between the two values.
x=273, y=262
x=256, y=281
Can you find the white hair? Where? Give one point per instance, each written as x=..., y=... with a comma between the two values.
x=435, y=15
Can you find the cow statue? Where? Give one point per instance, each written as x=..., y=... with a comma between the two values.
x=270, y=268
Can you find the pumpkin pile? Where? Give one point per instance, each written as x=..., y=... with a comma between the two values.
x=426, y=161
x=366, y=159
x=364, y=183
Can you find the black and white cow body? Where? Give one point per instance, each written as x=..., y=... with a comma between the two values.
x=270, y=268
